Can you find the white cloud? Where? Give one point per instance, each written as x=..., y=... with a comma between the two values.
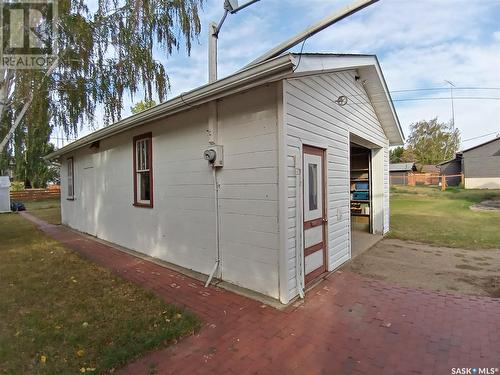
x=419, y=43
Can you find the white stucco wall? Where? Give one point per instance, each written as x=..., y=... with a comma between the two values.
x=311, y=117
x=180, y=228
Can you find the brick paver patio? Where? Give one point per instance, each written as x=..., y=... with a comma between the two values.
x=346, y=325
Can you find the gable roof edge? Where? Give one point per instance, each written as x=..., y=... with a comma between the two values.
x=481, y=144
x=255, y=75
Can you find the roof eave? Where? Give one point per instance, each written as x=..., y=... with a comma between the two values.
x=240, y=81
x=401, y=140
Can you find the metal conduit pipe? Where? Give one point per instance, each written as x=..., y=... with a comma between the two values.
x=217, y=247
x=298, y=235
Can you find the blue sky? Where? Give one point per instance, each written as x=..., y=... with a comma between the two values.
x=419, y=44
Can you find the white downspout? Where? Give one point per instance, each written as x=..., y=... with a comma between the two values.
x=217, y=247
x=299, y=261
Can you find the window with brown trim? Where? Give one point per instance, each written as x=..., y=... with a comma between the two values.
x=143, y=170
x=71, y=179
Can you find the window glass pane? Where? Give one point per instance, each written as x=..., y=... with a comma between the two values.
x=138, y=155
x=143, y=156
x=144, y=188
x=146, y=158
x=141, y=148
x=313, y=186
x=70, y=178
x=142, y=159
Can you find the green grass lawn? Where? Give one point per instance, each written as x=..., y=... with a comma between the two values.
x=61, y=314
x=48, y=210
x=427, y=214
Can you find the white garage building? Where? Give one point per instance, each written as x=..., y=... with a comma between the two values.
x=303, y=141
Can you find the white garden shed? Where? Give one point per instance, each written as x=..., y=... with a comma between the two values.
x=4, y=194
x=294, y=141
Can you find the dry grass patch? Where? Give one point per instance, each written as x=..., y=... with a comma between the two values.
x=426, y=214
x=61, y=314
x=48, y=210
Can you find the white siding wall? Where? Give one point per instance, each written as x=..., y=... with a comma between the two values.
x=249, y=190
x=181, y=227
x=387, y=211
x=482, y=166
x=312, y=117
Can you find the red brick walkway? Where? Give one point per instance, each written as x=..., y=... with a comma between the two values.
x=347, y=325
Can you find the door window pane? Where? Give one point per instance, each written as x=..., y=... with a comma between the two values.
x=313, y=186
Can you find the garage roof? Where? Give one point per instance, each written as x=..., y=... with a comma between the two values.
x=482, y=144
x=402, y=167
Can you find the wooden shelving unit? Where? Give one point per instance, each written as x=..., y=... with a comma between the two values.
x=360, y=191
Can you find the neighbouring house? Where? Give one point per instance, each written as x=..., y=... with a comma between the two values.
x=453, y=169
x=429, y=169
x=481, y=165
x=399, y=172
x=298, y=149
x=427, y=174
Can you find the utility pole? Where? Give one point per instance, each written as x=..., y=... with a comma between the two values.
x=335, y=17
x=452, y=85
x=212, y=52
x=230, y=6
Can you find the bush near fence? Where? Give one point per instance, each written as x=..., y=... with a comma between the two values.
x=35, y=194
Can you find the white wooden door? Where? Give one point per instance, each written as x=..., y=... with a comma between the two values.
x=314, y=213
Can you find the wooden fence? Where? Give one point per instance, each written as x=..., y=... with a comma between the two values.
x=445, y=178
x=423, y=179
x=412, y=179
x=429, y=179
x=35, y=194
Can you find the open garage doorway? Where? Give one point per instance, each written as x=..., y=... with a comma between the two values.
x=366, y=186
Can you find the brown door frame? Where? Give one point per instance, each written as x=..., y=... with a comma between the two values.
x=313, y=150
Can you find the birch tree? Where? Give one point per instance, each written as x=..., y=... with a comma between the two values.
x=104, y=53
x=431, y=142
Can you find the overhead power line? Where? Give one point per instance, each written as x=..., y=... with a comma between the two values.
x=481, y=136
x=364, y=102
x=445, y=88
x=449, y=98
